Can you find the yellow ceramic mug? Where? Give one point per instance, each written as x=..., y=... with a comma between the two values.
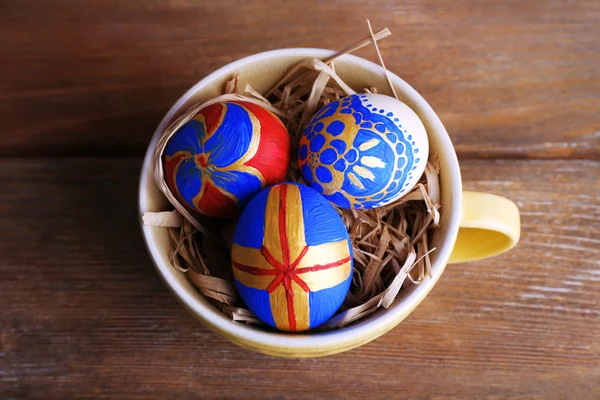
x=472, y=225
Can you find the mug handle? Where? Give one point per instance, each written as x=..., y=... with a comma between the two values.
x=490, y=225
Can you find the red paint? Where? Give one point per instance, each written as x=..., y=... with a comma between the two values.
x=273, y=155
x=283, y=242
x=170, y=165
x=212, y=115
x=286, y=272
x=202, y=162
x=326, y=266
x=215, y=203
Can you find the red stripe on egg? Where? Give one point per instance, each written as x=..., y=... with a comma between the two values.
x=272, y=158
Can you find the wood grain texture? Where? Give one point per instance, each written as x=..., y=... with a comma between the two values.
x=512, y=79
x=84, y=315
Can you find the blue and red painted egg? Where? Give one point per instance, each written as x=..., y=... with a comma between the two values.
x=363, y=151
x=216, y=162
x=291, y=257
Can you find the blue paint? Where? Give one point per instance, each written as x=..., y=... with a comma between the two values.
x=187, y=138
x=409, y=137
x=336, y=127
x=340, y=165
x=319, y=127
x=339, y=199
x=339, y=145
x=307, y=173
x=416, y=151
x=345, y=111
x=258, y=302
x=321, y=222
x=188, y=180
x=303, y=153
x=323, y=174
x=328, y=156
x=351, y=156
x=317, y=143
x=317, y=187
x=241, y=184
x=321, y=305
x=417, y=160
x=386, y=143
x=248, y=232
x=236, y=124
x=393, y=186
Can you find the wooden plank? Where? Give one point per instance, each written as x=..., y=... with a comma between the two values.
x=508, y=78
x=84, y=315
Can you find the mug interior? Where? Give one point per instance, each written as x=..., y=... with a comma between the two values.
x=262, y=71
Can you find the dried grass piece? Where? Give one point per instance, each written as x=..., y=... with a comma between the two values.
x=385, y=71
x=390, y=244
x=164, y=219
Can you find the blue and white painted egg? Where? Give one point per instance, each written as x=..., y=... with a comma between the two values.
x=363, y=151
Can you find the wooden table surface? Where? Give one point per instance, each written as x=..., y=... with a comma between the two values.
x=84, y=84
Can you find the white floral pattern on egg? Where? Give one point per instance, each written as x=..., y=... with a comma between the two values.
x=364, y=151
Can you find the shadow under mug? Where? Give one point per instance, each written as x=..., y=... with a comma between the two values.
x=473, y=225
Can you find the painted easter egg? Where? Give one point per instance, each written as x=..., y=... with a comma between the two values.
x=291, y=257
x=215, y=163
x=363, y=151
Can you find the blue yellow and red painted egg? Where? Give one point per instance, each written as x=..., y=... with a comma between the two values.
x=216, y=162
x=292, y=257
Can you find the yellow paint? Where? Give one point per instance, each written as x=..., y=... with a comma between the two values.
x=369, y=144
x=327, y=278
x=254, y=281
x=294, y=222
x=489, y=225
x=278, y=302
x=271, y=239
x=354, y=181
x=249, y=256
x=301, y=308
x=279, y=307
x=324, y=254
x=365, y=173
x=371, y=161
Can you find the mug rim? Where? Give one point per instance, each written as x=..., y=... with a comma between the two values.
x=307, y=344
